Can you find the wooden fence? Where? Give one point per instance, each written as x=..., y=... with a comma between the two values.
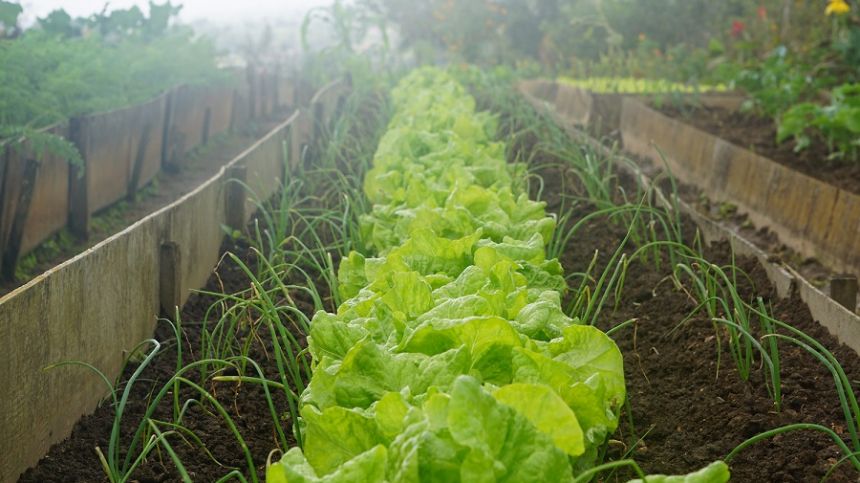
x=123, y=151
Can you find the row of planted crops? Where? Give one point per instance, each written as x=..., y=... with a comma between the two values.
x=451, y=358
x=401, y=313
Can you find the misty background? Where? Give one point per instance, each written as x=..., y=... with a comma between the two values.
x=193, y=11
x=236, y=28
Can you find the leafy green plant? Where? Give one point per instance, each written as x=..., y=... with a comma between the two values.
x=9, y=13
x=837, y=124
x=48, y=78
x=776, y=84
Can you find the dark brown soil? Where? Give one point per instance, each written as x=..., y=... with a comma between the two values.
x=688, y=411
x=759, y=135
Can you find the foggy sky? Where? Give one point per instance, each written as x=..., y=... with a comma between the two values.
x=215, y=10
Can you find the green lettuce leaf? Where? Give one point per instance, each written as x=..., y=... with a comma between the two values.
x=369, y=467
x=337, y=435
x=547, y=411
x=716, y=472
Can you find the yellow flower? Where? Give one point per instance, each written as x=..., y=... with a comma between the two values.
x=839, y=7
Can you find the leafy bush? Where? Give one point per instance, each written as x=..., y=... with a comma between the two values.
x=9, y=13
x=776, y=84
x=838, y=124
x=47, y=79
x=58, y=71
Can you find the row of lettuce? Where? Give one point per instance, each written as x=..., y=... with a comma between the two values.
x=450, y=358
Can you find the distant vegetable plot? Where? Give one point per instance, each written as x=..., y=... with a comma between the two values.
x=66, y=67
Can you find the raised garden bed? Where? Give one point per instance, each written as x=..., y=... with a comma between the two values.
x=149, y=267
x=819, y=228
x=686, y=407
x=813, y=217
x=48, y=201
x=688, y=410
x=759, y=135
x=75, y=460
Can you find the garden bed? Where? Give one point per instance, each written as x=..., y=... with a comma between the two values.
x=686, y=410
x=200, y=165
x=74, y=460
x=599, y=112
x=814, y=233
x=812, y=217
x=759, y=135
x=153, y=264
x=257, y=170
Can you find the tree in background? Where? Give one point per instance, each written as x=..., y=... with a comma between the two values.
x=679, y=39
x=9, y=13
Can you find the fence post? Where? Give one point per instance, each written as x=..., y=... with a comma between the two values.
x=276, y=89
x=843, y=289
x=252, y=92
x=235, y=196
x=170, y=278
x=234, y=112
x=264, y=94
x=139, y=160
x=166, y=138
x=79, y=206
x=19, y=220
x=4, y=163
x=207, y=125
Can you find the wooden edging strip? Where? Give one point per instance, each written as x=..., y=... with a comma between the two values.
x=840, y=322
x=39, y=213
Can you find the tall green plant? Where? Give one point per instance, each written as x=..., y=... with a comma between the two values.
x=47, y=78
